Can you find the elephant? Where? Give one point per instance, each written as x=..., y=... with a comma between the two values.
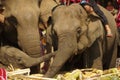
x=17, y=58
x=74, y=41
x=18, y=25
x=21, y=19
x=22, y=27
x=73, y=32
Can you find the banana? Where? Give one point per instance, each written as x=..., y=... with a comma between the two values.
x=99, y=72
x=74, y=75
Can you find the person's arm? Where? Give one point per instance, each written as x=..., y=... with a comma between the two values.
x=2, y=18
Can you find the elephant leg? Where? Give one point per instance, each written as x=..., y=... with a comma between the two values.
x=113, y=52
x=94, y=55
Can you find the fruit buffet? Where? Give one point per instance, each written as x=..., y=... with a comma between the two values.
x=77, y=74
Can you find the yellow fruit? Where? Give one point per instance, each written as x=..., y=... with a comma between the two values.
x=74, y=75
x=67, y=74
x=105, y=78
x=99, y=72
x=113, y=70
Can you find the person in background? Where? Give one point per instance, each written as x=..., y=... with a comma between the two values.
x=98, y=2
x=115, y=4
x=91, y=6
x=118, y=1
x=68, y=2
x=2, y=18
x=109, y=6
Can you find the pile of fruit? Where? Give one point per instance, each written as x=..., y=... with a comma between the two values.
x=91, y=74
x=77, y=74
x=111, y=74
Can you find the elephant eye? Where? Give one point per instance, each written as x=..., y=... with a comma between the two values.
x=19, y=59
x=78, y=32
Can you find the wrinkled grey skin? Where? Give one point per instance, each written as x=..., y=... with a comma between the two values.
x=74, y=34
x=17, y=34
x=73, y=37
x=19, y=59
x=25, y=20
x=21, y=28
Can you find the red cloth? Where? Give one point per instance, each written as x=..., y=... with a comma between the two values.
x=71, y=1
x=75, y=1
x=3, y=75
x=118, y=1
x=109, y=8
x=118, y=19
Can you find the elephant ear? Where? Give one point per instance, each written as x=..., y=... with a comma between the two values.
x=95, y=28
x=46, y=7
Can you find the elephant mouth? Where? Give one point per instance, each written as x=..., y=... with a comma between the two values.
x=12, y=62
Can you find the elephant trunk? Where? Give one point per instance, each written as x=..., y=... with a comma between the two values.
x=28, y=32
x=36, y=61
x=66, y=48
x=29, y=40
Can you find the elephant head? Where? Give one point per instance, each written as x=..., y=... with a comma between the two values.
x=24, y=16
x=22, y=25
x=19, y=59
x=73, y=32
x=10, y=55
